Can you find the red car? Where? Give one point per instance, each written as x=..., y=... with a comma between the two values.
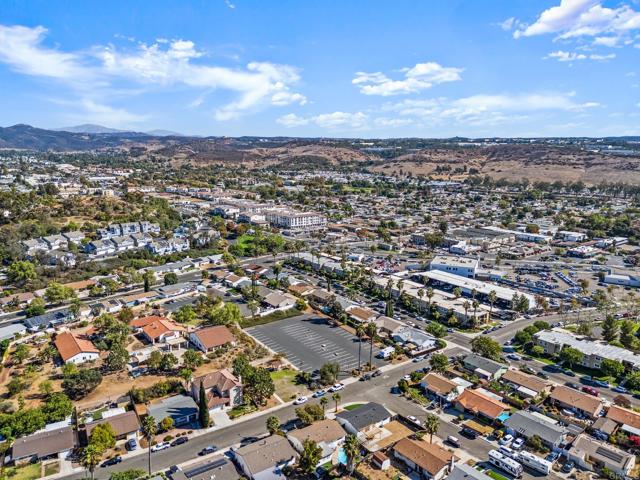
x=591, y=391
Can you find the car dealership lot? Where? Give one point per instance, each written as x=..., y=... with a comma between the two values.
x=308, y=342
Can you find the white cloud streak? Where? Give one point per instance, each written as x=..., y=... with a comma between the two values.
x=420, y=77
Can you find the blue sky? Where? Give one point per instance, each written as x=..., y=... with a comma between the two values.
x=329, y=68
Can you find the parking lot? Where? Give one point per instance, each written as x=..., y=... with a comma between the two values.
x=308, y=342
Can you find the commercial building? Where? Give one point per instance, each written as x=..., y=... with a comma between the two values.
x=553, y=341
x=461, y=266
x=296, y=221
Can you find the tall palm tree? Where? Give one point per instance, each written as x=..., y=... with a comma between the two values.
x=475, y=305
x=492, y=299
x=360, y=333
x=323, y=403
x=466, y=306
x=420, y=296
x=336, y=398
x=430, y=294
x=371, y=330
x=91, y=456
x=431, y=425
x=352, y=451
x=149, y=429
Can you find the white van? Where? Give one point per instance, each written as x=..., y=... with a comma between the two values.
x=453, y=441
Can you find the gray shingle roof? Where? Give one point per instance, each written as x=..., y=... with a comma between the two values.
x=528, y=425
x=365, y=415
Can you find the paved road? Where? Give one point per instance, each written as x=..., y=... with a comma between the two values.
x=377, y=389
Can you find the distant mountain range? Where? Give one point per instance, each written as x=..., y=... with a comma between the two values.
x=99, y=129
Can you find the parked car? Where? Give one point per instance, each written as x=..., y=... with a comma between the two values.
x=131, y=444
x=300, y=400
x=591, y=391
x=568, y=467
x=569, y=373
x=415, y=420
x=160, y=446
x=620, y=389
x=365, y=377
x=514, y=356
x=207, y=450
x=112, y=461
x=453, y=441
x=572, y=385
x=407, y=378
x=467, y=432
x=518, y=443
x=601, y=383
x=552, y=457
x=527, y=369
x=376, y=373
x=336, y=387
x=319, y=393
x=179, y=441
x=543, y=375
x=507, y=439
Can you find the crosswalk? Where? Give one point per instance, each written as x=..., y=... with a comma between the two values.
x=309, y=349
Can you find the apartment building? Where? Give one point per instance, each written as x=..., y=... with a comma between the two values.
x=296, y=221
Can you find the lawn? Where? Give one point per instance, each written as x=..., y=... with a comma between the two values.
x=496, y=475
x=353, y=406
x=51, y=468
x=28, y=472
x=285, y=383
x=279, y=315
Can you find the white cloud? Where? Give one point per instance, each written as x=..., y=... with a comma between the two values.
x=330, y=121
x=229, y=4
x=563, y=56
x=583, y=18
x=606, y=41
x=508, y=24
x=417, y=78
x=163, y=64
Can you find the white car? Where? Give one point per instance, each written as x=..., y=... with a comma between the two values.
x=506, y=440
x=160, y=446
x=518, y=443
x=300, y=400
x=415, y=420
x=407, y=378
x=337, y=387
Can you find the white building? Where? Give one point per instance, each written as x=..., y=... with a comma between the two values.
x=462, y=266
x=296, y=221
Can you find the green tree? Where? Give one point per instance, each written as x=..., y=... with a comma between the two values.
x=360, y=333
x=82, y=383
x=628, y=334
x=103, y=437
x=486, y=347
x=352, y=451
x=431, y=425
x=185, y=314
x=57, y=406
x=203, y=407
x=439, y=362
x=329, y=373
x=522, y=337
x=21, y=272
x=149, y=429
x=632, y=381
x=45, y=387
x=336, y=398
x=168, y=362
x=131, y=474
x=610, y=329
x=117, y=359
x=436, y=329
x=372, y=331
x=35, y=308
x=310, y=413
x=571, y=356
x=90, y=458
x=192, y=359
x=57, y=293
x=310, y=456
x=154, y=362
x=273, y=425
x=612, y=368
x=166, y=424
x=149, y=279
x=170, y=278
x=259, y=386
x=21, y=353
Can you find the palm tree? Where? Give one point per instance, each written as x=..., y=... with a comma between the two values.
x=352, y=451
x=336, y=398
x=252, y=305
x=360, y=333
x=430, y=294
x=323, y=403
x=475, y=304
x=457, y=292
x=466, y=306
x=91, y=456
x=149, y=429
x=371, y=330
x=492, y=299
x=431, y=425
x=420, y=295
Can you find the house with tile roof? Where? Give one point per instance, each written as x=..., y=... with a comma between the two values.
x=222, y=388
x=74, y=349
x=211, y=338
x=429, y=461
x=481, y=404
x=574, y=400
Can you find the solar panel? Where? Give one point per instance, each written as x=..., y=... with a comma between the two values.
x=611, y=455
x=205, y=468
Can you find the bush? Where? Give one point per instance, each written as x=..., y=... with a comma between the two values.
x=157, y=390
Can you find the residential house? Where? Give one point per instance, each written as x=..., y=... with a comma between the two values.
x=222, y=388
x=365, y=420
x=301, y=289
x=168, y=291
x=361, y=314
x=17, y=299
x=123, y=243
x=42, y=445
x=266, y=458
x=429, y=460
x=100, y=247
x=481, y=403
x=125, y=425
x=141, y=240
x=415, y=341
x=33, y=246
x=148, y=227
x=157, y=329
x=574, y=400
x=529, y=424
x=180, y=408
x=462, y=471
x=74, y=237
x=211, y=338
x=388, y=327
x=74, y=349
x=629, y=420
x=129, y=228
x=484, y=367
x=327, y=434
x=441, y=388
x=81, y=288
x=590, y=454
x=279, y=301
x=55, y=242
x=11, y=331
x=525, y=385
x=216, y=468
x=49, y=319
